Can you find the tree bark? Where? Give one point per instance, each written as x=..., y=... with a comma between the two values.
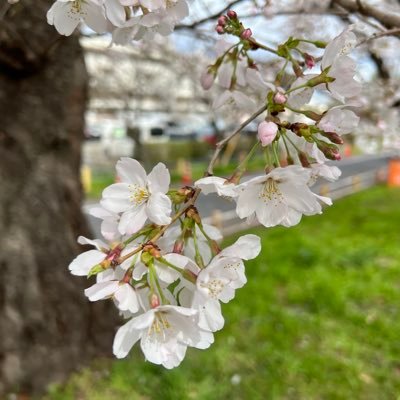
x=47, y=327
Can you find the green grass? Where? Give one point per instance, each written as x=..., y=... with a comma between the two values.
x=318, y=319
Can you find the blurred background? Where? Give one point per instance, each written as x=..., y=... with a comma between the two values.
x=318, y=318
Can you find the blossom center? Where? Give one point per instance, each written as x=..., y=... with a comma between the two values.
x=214, y=287
x=76, y=6
x=159, y=326
x=138, y=195
x=271, y=192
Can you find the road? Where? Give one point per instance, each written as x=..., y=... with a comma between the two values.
x=208, y=204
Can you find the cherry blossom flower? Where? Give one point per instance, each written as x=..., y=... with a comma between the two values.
x=109, y=224
x=65, y=15
x=344, y=86
x=339, y=120
x=103, y=254
x=341, y=67
x=341, y=45
x=278, y=198
x=138, y=196
x=165, y=19
x=122, y=292
x=164, y=332
x=225, y=273
x=207, y=79
x=160, y=20
x=217, y=281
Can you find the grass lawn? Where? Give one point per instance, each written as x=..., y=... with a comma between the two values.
x=318, y=319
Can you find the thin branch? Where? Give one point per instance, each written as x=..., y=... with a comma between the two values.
x=388, y=19
x=222, y=143
x=389, y=32
x=208, y=18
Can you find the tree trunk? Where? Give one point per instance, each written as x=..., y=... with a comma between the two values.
x=47, y=327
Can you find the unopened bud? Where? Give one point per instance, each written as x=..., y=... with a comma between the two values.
x=154, y=300
x=155, y=252
x=220, y=29
x=320, y=44
x=309, y=60
x=318, y=80
x=330, y=151
x=128, y=276
x=280, y=98
x=289, y=159
x=178, y=246
x=231, y=14
x=146, y=257
x=222, y=20
x=299, y=128
x=214, y=247
x=193, y=214
x=303, y=159
x=333, y=137
x=207, y=79
x=266, y=132
x=246, y=34
x=312, y=115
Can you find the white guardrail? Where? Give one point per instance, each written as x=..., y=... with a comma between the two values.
x=229, y=223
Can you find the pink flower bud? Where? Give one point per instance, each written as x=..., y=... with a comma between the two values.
x=231, y=14
x=280, y=98
x=309, y=60
x=246, y=34
x=154, y=301
x=220, y=29
x=178, y=246
x=267, y=132
x=222, y=20
x=206, y=80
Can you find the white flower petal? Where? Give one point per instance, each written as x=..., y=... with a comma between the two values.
x=82, y=264
x=125, y=338
x=246, y=247
x=159, y=209
x=132, y=220
x=159, y=179
x=131, y=171
x=126, y=298
x=101, y=290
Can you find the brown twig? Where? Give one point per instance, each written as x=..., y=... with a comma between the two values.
x=208, y=18
x=388, y=19
x=389, y=32
x=222, y=143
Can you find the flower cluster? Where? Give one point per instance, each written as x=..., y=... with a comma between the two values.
x=167, y=276
x=162, y=266
x=127, y=20
x=296, y=151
